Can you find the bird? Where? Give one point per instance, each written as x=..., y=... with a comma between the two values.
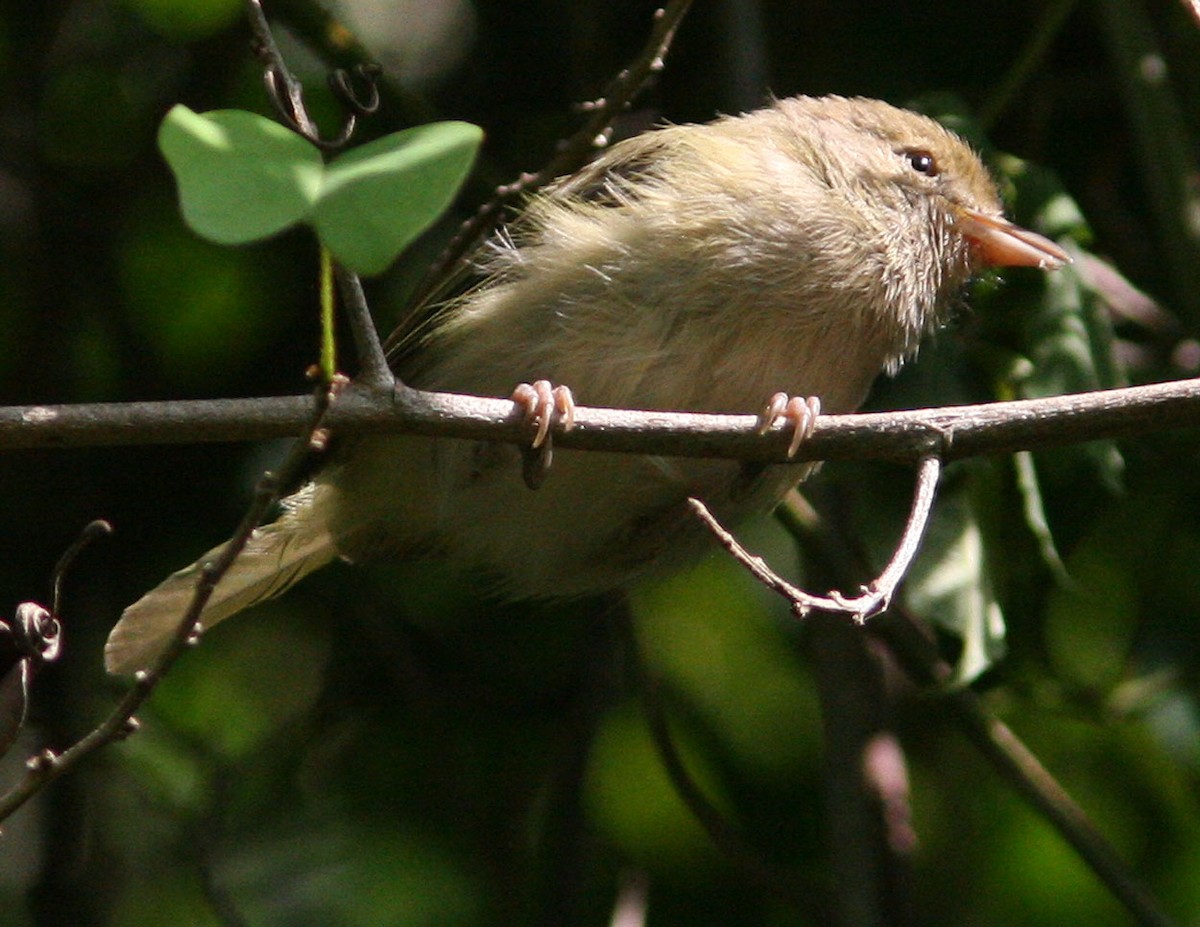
x=760, y=263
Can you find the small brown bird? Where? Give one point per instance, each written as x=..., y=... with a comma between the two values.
x=800, y=249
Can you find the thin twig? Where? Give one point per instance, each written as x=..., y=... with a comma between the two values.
x=33, y=638
x=286, y=93
x=756, y=565
x=876, y=595
x=47, y=766
x=283, y=89
x=954, y=431
x=1012, y=760
x=91, y=531
x=781, y=882
x=373, y=366
x=1017, y=765
x=571, y=154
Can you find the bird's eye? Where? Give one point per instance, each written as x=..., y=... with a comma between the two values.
x=922, y=162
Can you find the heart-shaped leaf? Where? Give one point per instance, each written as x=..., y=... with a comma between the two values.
x=241, y=177
x=378, y=198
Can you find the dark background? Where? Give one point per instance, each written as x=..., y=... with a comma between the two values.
x=382, y=747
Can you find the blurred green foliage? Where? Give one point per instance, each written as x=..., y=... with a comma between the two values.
x=385, y=746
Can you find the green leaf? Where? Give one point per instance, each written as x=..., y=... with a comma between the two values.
x=1061, y=321
x=950, y=585
x=241, y=176
x=378, y=198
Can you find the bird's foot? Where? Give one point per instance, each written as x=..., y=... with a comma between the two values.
x=800, y=412
x=539, y=405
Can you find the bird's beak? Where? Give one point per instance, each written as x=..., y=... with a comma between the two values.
x=1001, y=244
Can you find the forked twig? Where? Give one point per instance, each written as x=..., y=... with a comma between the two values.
x=876, y=595
x=287, y=96
x=373, y=369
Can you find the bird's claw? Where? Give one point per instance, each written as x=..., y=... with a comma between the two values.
x=539, y=402
x=800, y=412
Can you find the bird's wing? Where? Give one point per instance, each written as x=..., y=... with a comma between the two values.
x=275, y=557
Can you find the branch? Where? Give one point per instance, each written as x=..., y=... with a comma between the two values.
x=876, y=595
x=1014, y=762
x=781, y=882
x=952, y=432
x=46, y=766
x=1019, y=766
x=374, y=372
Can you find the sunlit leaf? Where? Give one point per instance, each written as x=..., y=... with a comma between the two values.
x=378, y=198
x=241, y=177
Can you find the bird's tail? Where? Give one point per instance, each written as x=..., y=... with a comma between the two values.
x=276, y=556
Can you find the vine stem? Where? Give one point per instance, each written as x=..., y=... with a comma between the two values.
x=46, y=766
